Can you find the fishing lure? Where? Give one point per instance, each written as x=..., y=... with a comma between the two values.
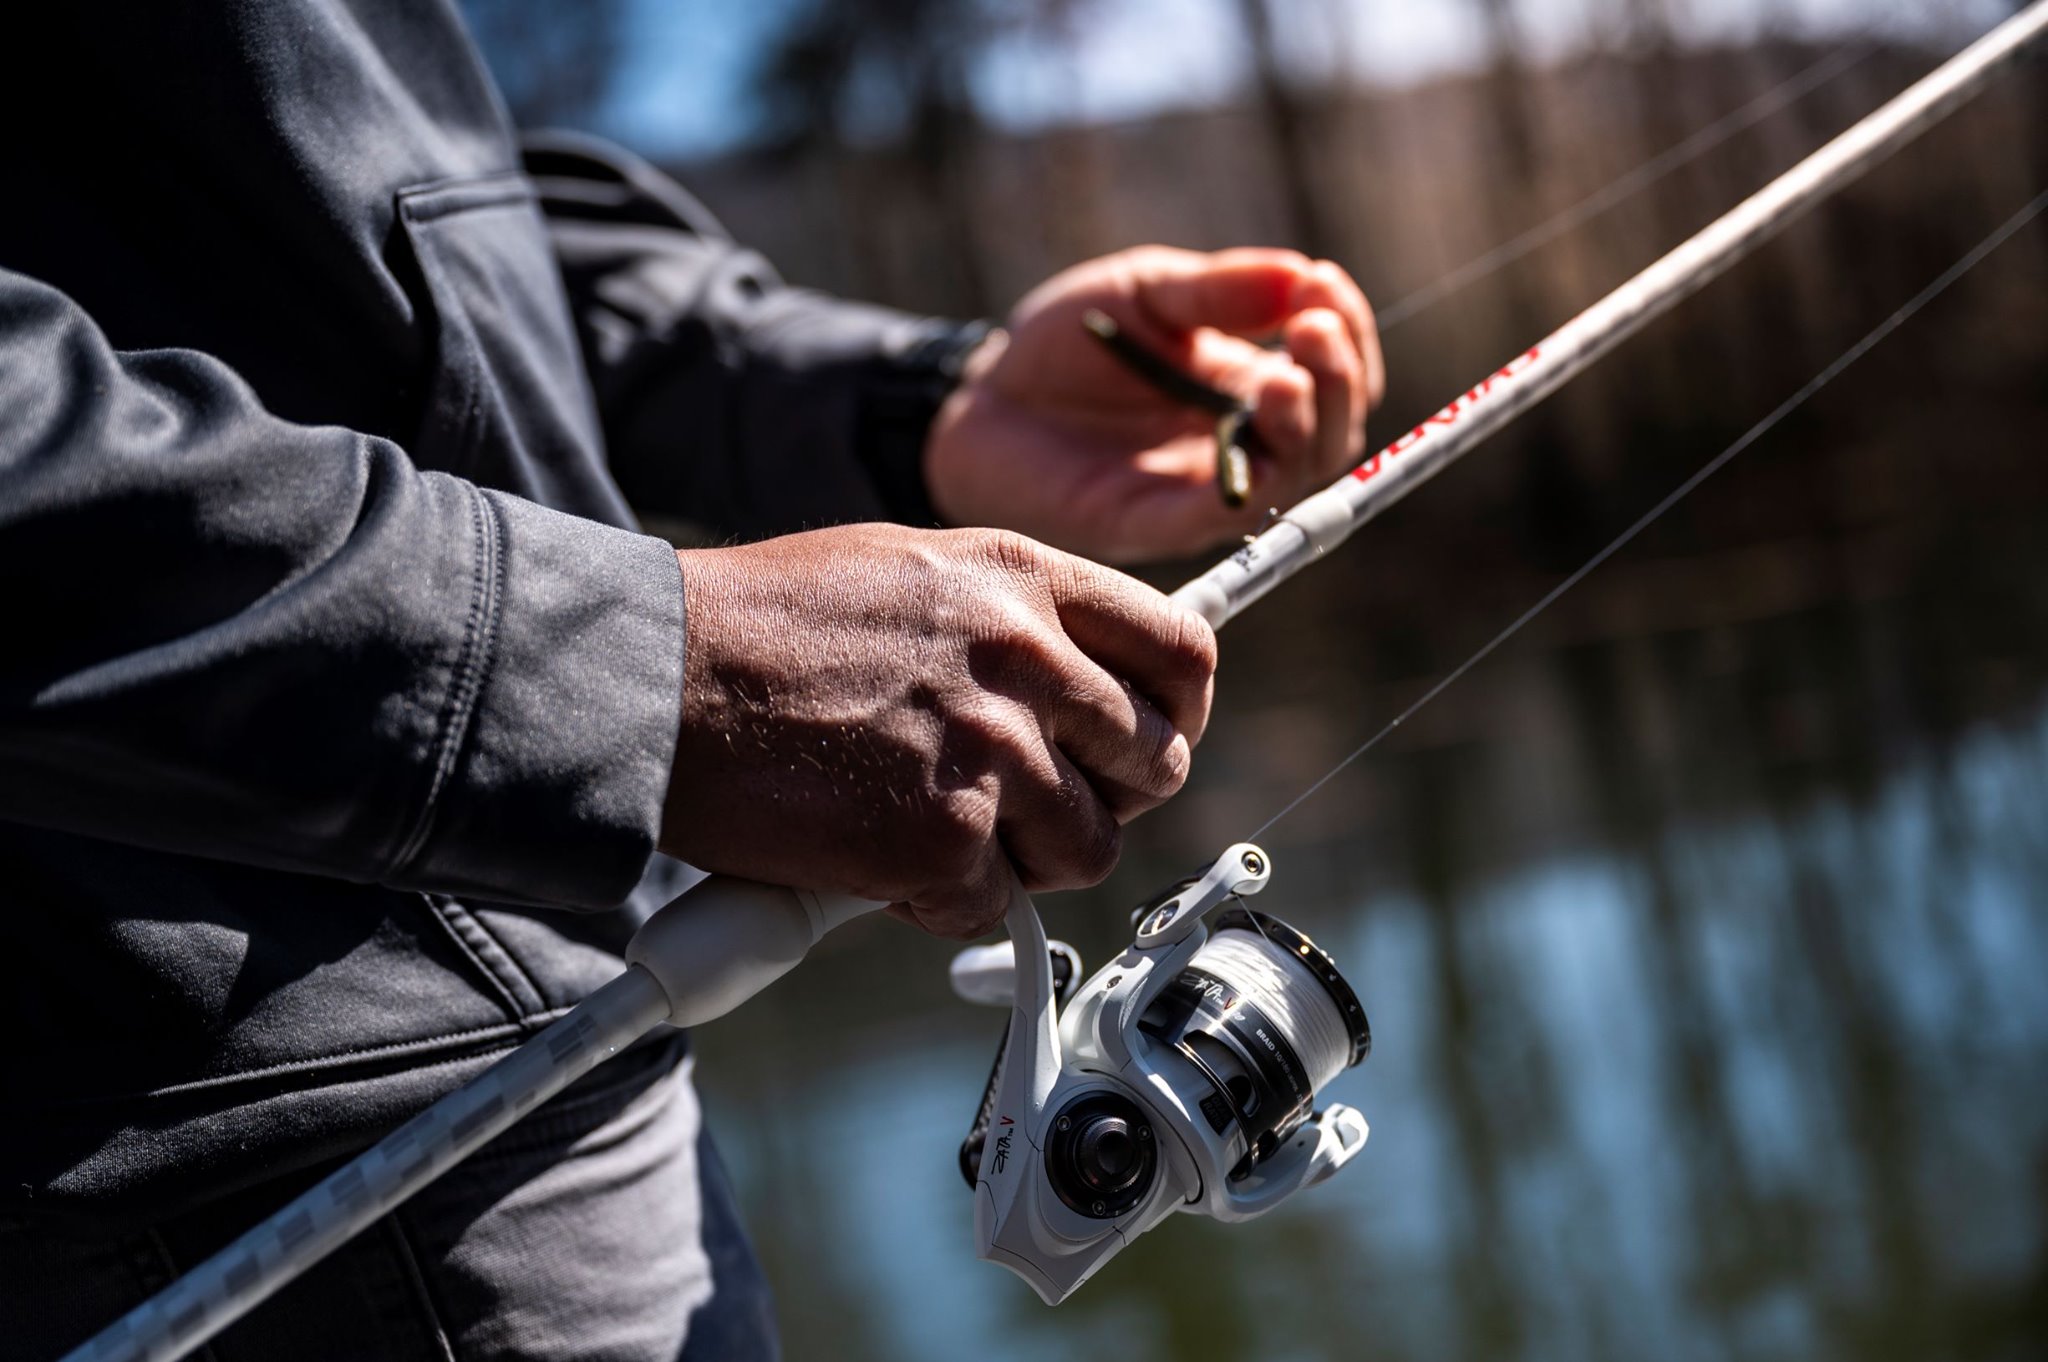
x=1233, y=414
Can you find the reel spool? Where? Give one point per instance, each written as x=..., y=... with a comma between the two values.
x=1263, y=1015
x=1181, y=1076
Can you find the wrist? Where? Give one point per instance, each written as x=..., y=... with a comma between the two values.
x=901, y=405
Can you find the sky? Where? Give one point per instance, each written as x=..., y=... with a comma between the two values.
x=681, y=93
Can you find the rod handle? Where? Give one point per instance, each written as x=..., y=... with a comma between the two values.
x=724, y=940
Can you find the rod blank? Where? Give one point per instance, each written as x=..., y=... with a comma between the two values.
x=1325, y=519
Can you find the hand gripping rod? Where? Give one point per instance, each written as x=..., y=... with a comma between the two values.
x=724, y=941
x=1327, y=518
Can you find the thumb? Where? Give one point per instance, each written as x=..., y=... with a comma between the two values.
x=1247, y=290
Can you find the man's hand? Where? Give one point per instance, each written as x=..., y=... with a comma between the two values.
x=900, y=714
x=1051, y=435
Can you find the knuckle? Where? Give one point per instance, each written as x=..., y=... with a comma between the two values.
x=974, y=912
x=927, y=551
x=1095, y=851
x=964, y=824
x=1150, y=253
x=1192, y=645
x=1329, y=326
x=1023, y=664
x=985, y=733
x=1010, y=552
x=1037, y=665
x=1342, y=286
x=1171, y=763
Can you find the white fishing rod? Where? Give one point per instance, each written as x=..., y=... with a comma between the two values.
x=1326, y=519
x=727, y=939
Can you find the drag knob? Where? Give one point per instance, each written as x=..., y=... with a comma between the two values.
x=1106, y=1155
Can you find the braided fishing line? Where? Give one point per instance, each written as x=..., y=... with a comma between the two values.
x=1260, y=968
x=1642, y=177
x=1749, y=437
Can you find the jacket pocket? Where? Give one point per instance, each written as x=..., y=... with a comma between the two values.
x=508, y=403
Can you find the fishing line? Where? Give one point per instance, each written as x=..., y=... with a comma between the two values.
x=1258, y=967
x=1749, y=437
x=1642, y=177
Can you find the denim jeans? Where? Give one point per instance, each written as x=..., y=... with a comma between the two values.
x=600, y=1228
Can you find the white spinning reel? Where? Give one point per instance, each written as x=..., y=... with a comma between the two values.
x=1182, y=1076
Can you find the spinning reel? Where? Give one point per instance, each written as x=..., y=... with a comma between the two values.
x=1181, y=1076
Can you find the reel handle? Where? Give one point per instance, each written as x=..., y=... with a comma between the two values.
x=724, y=940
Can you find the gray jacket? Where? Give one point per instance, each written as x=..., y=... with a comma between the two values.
x=332, y=637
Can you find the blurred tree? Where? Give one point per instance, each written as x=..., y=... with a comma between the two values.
x=1507, y=93
x=555, y=63
x=1288, y=118
x=848, y=70
x=899, y=73
x=1549, y=508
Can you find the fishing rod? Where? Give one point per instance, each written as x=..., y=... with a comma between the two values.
x=1250, y=1018
x=1697, y=144
x=1325, y=519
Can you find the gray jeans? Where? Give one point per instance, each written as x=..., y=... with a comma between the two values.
x=600, y=1228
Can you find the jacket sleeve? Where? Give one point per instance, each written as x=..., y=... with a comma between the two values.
x=727, y=396
x=237, y=637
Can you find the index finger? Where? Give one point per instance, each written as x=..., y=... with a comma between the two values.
x=1166, y=651
x=1328, y=284
x=1243, y=290
x=1252, y=291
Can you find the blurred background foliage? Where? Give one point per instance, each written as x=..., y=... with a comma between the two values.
x=1702, y=927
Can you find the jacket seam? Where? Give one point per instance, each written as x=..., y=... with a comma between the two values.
x=438, y=199
x=510, y=977
x=438, y=908
x=472, y=660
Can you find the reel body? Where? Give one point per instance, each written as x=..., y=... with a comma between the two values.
x=1180, y=1076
